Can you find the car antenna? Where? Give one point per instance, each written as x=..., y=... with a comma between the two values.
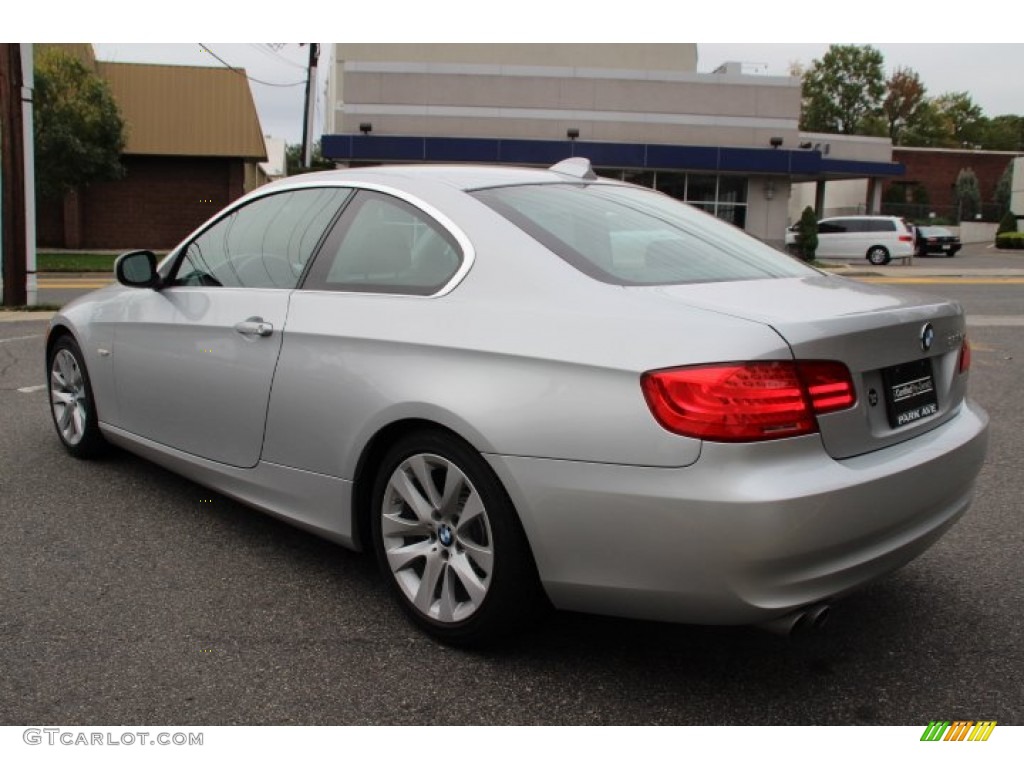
x=577, y=167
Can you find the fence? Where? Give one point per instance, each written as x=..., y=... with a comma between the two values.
x=940, y=214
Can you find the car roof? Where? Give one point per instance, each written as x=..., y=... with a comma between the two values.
x=861, y=216
x=464, y=177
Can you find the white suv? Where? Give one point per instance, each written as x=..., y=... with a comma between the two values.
x=879, y=239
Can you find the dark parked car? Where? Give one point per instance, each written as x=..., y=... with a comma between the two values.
x=938, y=240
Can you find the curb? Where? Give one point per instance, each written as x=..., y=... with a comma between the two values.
x=25, y=317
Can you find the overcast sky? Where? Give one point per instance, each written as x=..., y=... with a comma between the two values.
x=989, y=72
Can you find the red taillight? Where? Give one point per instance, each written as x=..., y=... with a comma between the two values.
x=743, y=402
x=829, y=385
x=965, y=356
x=906, y=238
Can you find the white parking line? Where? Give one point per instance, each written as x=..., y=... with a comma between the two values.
x=22, y=338
x=995, y=321
x=28, y=390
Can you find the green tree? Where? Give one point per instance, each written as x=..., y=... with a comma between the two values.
x=78, y=131
x=964, y=120
x=1005, y=133
x=293, y=160
x=1004, y=188
x=807, y=234
x=843, y=91
x=926, y=128
x=967, y=194
x=904, y=97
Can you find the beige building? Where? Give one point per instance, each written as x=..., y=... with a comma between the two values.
x=727, y=142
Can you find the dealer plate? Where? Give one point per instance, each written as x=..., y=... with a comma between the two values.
x=910, y=392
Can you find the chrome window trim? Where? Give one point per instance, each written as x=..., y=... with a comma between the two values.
x=468, y=252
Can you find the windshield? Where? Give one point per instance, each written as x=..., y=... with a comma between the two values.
x=631, y=236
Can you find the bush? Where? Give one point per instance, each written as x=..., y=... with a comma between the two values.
x=1011, y=240
x=967, y=194
x=1007, y=224
x=807, y=234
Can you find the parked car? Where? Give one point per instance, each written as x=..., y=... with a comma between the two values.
x=938, y=240
x=879, y=239
x=517, y=386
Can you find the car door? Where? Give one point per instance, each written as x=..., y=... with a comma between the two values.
x=347, y=350
x=194, y=361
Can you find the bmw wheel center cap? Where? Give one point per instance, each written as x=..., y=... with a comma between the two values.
x=445, y=534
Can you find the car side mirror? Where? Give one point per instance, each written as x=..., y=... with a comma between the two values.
x=137, y=269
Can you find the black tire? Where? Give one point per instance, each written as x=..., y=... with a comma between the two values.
x=439, y=551
x=72, y=406
x=878, y=256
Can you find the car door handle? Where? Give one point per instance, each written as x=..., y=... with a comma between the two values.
x=254, y=326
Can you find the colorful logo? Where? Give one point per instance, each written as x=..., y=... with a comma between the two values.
x=958, y=730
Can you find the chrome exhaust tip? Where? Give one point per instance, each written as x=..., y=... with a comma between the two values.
x=800, y=622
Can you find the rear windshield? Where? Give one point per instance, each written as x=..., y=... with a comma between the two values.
x=631, y=236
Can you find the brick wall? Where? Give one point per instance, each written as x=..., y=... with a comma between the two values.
x=937, y=171
x=158, y=202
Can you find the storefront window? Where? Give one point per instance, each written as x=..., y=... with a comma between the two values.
x=721, y=196
x=672, y=184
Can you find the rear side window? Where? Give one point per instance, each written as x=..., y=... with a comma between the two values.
x=629, y=236
x=385, y=245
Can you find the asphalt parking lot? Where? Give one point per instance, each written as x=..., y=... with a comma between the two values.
x=133, y=596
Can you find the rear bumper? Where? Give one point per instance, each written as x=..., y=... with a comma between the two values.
x=748, y=532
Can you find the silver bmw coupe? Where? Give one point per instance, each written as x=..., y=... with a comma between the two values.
x=528, y=386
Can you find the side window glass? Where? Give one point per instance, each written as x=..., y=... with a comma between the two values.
x=384, y=245
x=830, y=228
x=265, y=244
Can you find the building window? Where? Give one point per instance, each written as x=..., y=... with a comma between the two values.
x=721, y=196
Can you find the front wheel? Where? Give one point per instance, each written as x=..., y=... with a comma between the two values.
x=72, y=405
x=449, y=542
x=878, y=256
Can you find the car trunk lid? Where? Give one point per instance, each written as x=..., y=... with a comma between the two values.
x=902, y=349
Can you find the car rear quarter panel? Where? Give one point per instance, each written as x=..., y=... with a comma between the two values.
x=527, y=357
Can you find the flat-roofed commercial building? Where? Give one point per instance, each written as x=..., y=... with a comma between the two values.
x=728, y=142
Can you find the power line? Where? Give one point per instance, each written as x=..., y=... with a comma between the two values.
x=275, y=51
x=268, y=50
x=249, y=77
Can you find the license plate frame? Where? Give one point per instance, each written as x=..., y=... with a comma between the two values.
x=910, y=394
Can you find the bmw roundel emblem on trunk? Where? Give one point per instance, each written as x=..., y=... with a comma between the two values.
x=927, y=337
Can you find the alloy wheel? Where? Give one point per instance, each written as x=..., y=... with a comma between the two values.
x=68, y=397
x=437, y=538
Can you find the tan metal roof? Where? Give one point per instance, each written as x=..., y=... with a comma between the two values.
x=190, y=111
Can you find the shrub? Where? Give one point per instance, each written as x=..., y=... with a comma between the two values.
x=967, y=194
x=1007, y=224
x=1012, y=240
x=807, y=234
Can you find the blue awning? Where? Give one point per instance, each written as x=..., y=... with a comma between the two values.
x=602, y=154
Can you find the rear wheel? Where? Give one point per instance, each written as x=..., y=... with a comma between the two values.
x=449, y=542
x=878, y=256
x=71, y=402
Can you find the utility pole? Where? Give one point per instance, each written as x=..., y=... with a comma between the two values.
x=307, y=125
x=14, y=249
